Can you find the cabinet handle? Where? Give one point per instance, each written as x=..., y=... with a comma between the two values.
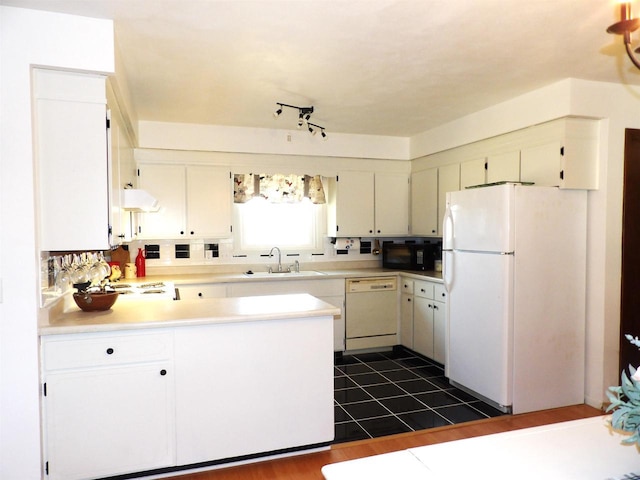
x=163, y=372
x=109, y=351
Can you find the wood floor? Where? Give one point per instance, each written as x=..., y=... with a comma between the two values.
x=307, y=466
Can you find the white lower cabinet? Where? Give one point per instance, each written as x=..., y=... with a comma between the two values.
x=253, y=387
x=126, y=402
x=423, y=318
x=108, y=404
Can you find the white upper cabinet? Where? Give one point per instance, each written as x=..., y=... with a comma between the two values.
x=123, y=171
x=567, y=158
x=428, y=193
x=448, y=181
x=72, y=163
x=424, y=202
x=195, y=201
x=391, y=204
x=473, y=172
x=350, y=202
x=367, y=204
x=503, y=167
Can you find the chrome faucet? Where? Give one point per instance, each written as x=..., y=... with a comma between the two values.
x=279, y=258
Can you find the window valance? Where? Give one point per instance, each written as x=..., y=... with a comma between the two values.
x=277, y=188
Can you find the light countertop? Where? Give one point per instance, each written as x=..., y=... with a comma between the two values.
x=66, y=317
x=203, y=278
x=139, y=314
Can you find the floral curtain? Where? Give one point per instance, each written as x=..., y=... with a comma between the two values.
x=277, y=188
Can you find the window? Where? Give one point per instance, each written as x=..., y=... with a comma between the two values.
x=261, y=225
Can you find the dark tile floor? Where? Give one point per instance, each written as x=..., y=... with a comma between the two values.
x=379, y=394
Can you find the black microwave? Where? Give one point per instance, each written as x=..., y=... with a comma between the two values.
x=409, y=256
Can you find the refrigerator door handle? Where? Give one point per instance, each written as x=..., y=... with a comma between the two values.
x=447, y=229
x=447, y=269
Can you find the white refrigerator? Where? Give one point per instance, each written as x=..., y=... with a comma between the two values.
x=514, y=265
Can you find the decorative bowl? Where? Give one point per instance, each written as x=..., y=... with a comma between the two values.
x=95, y=301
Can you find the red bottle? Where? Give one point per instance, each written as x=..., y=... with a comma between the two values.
x=140, y=264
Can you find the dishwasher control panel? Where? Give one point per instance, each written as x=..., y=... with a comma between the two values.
x=371, y=284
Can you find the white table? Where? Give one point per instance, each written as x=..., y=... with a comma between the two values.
x=581, y=449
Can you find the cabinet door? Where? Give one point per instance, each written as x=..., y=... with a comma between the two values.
x=208, y=201
x=439, y=331
x=423, y=326
x=424, y=202
x=541, y=164
x=167, y=183
x=72, y=163
x=504, y=167
x=109, y=421
x=278, y=396
x=353, y=204
x=473, y=172
x=391, y=204
x=406, y=320
x=448, y=181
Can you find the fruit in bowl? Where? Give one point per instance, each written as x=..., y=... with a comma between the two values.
x=95, y=301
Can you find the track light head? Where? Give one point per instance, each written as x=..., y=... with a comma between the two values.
x=304, y=117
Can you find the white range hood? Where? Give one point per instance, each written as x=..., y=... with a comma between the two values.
x=138, y=200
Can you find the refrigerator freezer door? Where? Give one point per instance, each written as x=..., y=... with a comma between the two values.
x=480, y=324
x=480, y=219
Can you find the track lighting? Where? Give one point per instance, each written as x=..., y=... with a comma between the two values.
x=313, y=132
x=304, y=115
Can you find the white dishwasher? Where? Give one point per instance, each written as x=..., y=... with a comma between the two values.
x=371, y=312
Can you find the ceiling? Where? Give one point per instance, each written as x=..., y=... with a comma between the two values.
x=376, y=67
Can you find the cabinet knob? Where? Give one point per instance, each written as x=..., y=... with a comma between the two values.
x=200, y=294
x=192, y=232
x=163, y=372
x=435, y=307
x=181, y=232
x=422, y=290
x=370, y=231
x=109, y=351
x=408, y=299
x=378, y=231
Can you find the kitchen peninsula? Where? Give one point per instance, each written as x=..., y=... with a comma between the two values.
x=163, y=385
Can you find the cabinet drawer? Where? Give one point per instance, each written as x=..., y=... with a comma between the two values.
x=95, y=350
x=423, y=289
x=406, y=285
x=440, y=293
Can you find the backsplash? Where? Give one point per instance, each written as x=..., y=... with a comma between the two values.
x=221, y=253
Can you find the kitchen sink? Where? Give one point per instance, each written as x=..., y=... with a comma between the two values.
x=301, y=273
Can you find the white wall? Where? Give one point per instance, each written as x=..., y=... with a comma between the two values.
x=216, y=138
x=28, y=38
x=617, y=106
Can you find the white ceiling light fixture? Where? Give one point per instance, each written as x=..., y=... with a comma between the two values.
x=304, y=115
x=625, y=27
